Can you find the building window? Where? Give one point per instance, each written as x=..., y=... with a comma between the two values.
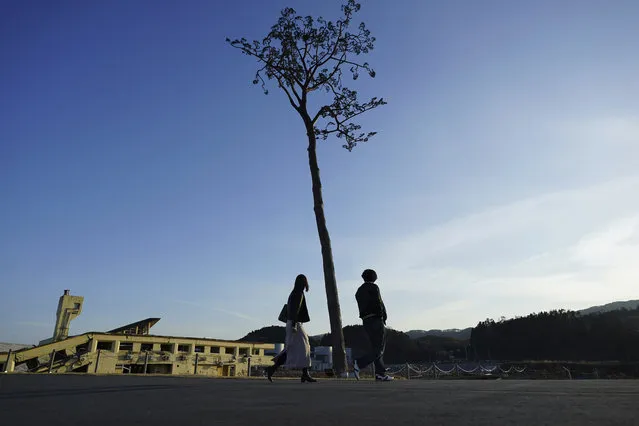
x=126, y=346
x=215, y=349
x=183, y=348
x=256, y=351
x=244, y=351
x=167, y=347
x=199, y=349
x=105, y=346
x=146, y=347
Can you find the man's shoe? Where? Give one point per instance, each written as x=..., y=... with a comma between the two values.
x=384, y=378
x=269, y=373
x=356, y=369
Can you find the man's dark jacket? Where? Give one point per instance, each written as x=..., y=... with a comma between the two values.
x=370, y=301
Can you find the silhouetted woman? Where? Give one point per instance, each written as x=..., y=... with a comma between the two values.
x=297, y=350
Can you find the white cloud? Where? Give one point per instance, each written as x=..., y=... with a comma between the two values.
x=566, y=249
x=235, y=314
x=611, y=246
x=606, y=131
x=210, y=306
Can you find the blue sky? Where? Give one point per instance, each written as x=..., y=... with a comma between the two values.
x=141, y=169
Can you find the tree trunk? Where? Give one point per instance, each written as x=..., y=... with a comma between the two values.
x=332, y=298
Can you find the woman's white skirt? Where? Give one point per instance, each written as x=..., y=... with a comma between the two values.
x=298, y=348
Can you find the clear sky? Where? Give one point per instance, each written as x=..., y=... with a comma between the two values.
x=140, y=168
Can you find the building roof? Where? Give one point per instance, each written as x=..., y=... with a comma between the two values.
x=5, y=347
x=203, y=339
x=139, y=327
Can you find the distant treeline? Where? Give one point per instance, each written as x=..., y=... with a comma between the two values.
x=555, y=335
x=400, y=348
x=560, y=335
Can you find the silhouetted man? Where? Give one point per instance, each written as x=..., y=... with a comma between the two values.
x=373, y=314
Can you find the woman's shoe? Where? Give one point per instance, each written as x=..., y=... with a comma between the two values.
x=307, y=377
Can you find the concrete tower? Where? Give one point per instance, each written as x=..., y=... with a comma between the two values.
x=69, y=307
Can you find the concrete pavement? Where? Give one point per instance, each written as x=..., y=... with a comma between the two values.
x=54, y=400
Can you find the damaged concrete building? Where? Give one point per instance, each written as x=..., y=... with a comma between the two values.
x=132, y=349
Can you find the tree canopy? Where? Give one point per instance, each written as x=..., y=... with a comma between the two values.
x=305, y=55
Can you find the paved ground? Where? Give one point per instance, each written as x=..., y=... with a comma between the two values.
x=53, y=400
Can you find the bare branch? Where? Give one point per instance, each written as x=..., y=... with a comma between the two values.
x=288, y=95
x=302, y=59
x=336, y=69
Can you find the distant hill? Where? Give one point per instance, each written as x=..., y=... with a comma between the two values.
x=614, y=306
x=271, y=334
x=417, y=345
x=274, y=334
x=400, y=347
x=454, y=333
x=464, y=334
x=277, y=334
x=561, y=335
